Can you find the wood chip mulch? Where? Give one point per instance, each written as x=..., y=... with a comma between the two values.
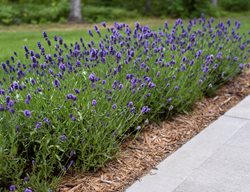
x=138, y=156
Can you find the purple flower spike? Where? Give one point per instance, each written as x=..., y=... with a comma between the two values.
x=38, y=125
x=158, y=74
x=198, y=54
x=132, y=110
x=10, y=103
x=12, y=110
x=71, y=97
x=103, y=24
x=62, y=67
x=151, y=84
x=94, y=102
x=78, y=63
x=7, y=99
x=241, y=66
x=49, y=43
x=237, y=24
x=77, y=91
x=130, y=104
x=2, y=92
x=57, y=83
x=27, y=113
x=63, y=137
x=114, y=106
x=15, y=85
x=17, y=128
x=26, y=179
x=12, y=188
x=39, y=45
x=71, y=163
x=27, y=190
x=33, y=81
x=47, y=121
x=145, y=109
x=60, y=40
x=96, y=28
x=169, y=100
x=166, y=25
x=27, y=101
x=184, y=59
x=90, y=33
x=45, y=34
x=92, y=77
x=1, y=107
x=28, y=97
x=120, y=86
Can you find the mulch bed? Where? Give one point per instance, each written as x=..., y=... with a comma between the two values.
x=138, y=156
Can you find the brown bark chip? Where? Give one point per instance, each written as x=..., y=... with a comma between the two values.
x=138, y=156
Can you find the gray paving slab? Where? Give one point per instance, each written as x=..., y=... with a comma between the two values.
x=241, y=138
x=227, y=170
x=241, y=110
x=177, y=168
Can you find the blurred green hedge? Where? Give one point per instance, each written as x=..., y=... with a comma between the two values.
x=97, y=14
x=235, y=5
x=173, y=8
x=16, y=13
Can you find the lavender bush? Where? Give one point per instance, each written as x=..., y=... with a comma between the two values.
x=68, y=107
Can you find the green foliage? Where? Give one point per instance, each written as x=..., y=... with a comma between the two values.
x=101, y=13
x=33, y=13
x=194, y=8
x=8, y=15
x=235, y=5
x=176, y=8
x=31, y=1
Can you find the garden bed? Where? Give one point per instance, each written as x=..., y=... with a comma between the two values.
x=157, y=141
x=70, y=107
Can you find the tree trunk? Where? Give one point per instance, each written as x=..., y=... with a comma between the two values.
x=75, y=11
x=147, y=7
x=214, y=3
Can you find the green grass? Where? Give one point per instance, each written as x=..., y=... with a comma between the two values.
x=14, y=41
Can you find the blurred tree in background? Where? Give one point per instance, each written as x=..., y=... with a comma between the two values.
x=43, y=11
x=75, y=14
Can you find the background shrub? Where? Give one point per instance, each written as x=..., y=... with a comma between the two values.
x=92, y=13
x=177, y=8
x=29, y=12
x=235, y=5
x=8, y=14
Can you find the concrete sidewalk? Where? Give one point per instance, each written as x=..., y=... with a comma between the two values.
x=216, y=160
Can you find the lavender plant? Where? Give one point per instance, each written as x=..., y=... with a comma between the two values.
x=69, y=107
